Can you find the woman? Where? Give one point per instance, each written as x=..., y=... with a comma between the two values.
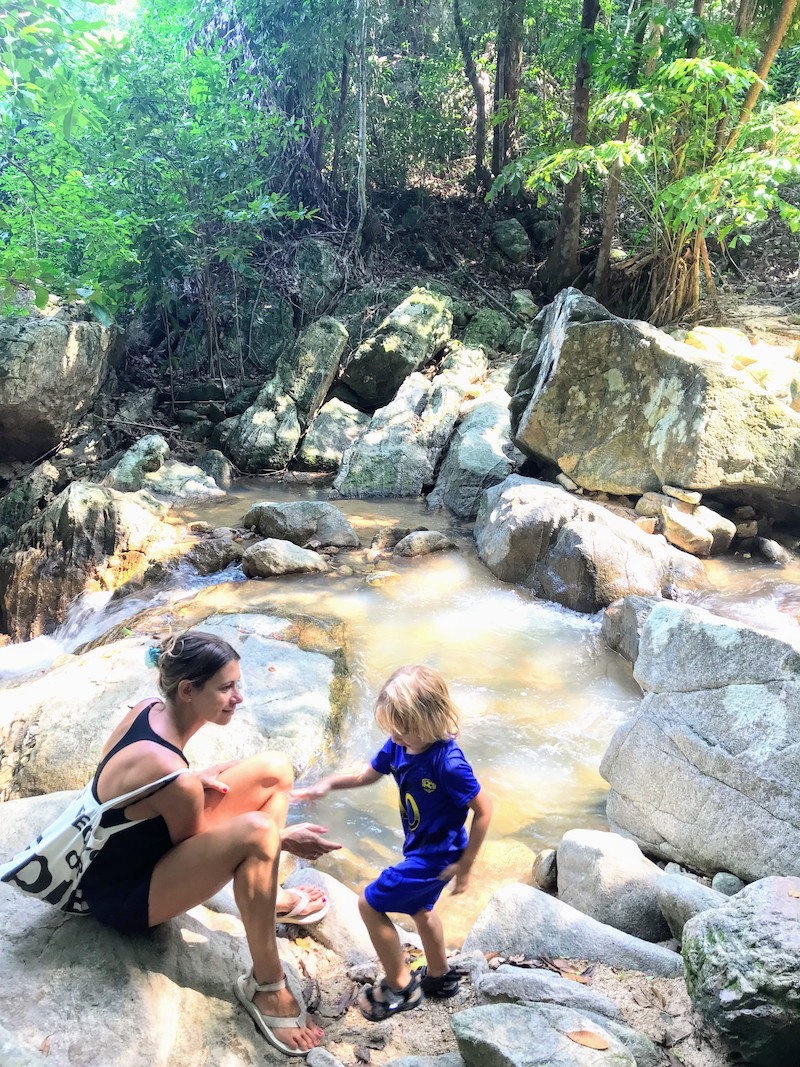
x=203, y=829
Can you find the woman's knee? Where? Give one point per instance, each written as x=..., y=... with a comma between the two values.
x=275, y=770
x=258, y=833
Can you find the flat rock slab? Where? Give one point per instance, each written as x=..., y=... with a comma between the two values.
x=521, y=919
x=532, y=1035
x=517, y=984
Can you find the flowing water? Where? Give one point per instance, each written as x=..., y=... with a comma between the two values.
x=540, y=693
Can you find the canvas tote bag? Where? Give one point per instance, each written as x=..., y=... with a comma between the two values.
x=52, y=865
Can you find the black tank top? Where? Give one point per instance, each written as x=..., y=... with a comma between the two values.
x=132, y=853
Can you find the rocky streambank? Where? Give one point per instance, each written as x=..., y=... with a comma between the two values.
x=602, y=462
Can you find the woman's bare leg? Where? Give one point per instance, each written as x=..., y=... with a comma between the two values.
x=260, y=783
x=245, y=848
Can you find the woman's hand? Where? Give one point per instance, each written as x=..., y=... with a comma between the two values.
x=209, y=780
x=312, y=792
x=303, y=840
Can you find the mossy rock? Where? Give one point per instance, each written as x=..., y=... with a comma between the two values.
x=488, y=330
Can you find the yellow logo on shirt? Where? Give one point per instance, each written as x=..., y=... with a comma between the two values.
x=428, y=785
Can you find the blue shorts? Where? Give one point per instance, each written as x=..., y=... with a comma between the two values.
x=410, y=886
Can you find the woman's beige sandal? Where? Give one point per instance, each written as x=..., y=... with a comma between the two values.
x=245, y=989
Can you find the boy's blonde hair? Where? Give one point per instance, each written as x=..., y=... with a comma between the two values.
x=416, y=700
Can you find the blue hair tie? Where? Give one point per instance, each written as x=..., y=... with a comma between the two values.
x=152, y=655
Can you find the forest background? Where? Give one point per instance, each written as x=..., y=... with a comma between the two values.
x=164, y=160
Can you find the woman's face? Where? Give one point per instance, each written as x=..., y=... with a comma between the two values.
x=216, y=701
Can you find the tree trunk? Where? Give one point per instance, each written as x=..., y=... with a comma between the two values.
x=481, y=172
x=563, y=264
x=507, y=81
x=338, y=128
x=362, y=120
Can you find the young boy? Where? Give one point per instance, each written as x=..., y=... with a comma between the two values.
x=437, y=790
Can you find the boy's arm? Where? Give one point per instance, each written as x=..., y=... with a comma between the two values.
x=365, y=775
x=482, y=807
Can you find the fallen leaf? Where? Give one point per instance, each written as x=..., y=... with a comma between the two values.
x=272, y=668
x=304, y=941
x=362, y=1054
x=44, y=1048
x=587, y=1038
x=575, y=977
x=346, y=1000
x=794, y=892
x=490, y=955
x=641, y=999
x=562, y=965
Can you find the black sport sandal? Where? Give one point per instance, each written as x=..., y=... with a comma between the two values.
x=445, y=985
x=391, y=1000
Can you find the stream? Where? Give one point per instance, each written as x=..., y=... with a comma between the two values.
x=540, y=693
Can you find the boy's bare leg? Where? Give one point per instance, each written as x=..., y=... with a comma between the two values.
x=431, y=933
x=387, y=944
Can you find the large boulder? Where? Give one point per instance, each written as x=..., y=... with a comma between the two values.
x=706, y=771
x=67, y=977
x=680, y=898
x=303, y=522
x=572, y=551
x=622, y=624
x=522, y=920
x=682, y=417
x=400, y=450
x=334, y=429
x=89, y=538
x=743, y=970
x=406, y=339
x=606, y=876
x=267, y=434
x=479, y=456
x=52, y=364
x=145, y=465
x=53, y=727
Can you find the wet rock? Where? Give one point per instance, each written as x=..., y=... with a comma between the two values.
x=406, y=339
x=572, y=551
x=743, y=970
x=267, y=434
x=422, y=543
x=606, y=876
x=301, y=522
x=214, y=554
x=681, y=898
x=706, y=771
x=52, y=364
x=334, y=429
x=89, y=538
x=622, y=624
x=679, y=408
x=773, y=552
x=510, y=237
x=270, y=557
x=531, y=1035
x=521, y=919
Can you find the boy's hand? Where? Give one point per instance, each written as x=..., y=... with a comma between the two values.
x=312, y=792
x=461, y=873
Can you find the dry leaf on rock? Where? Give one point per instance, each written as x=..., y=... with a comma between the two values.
x=362, y=1054
x=587, y=1038
x=346, y=1000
